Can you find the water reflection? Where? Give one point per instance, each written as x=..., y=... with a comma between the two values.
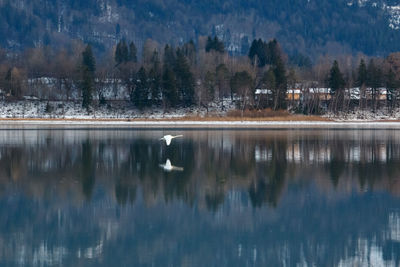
x=168, y=167
x=239, y=198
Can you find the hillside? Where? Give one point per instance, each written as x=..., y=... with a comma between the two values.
x=307, y=26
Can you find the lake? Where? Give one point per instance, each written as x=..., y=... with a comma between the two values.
x=278, y=197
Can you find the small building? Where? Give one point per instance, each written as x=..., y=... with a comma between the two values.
x=293, y=94
x=322, y=93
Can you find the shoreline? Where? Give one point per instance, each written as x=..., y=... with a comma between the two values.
x=198, y=123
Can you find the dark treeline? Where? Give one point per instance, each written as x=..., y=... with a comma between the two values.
x=197, y=74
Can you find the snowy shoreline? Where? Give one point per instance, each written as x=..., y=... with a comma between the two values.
x=25, y=114
x=10, y=123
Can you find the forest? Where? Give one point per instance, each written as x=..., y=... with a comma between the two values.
x=308, y=27
x=198, y=74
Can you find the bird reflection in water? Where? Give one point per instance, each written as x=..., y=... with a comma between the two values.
x=168, y=167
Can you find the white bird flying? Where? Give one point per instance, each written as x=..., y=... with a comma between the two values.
x=168, y=167
x=168, y=138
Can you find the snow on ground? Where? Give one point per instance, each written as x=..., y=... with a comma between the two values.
x=122, y=113
x=113, y=110
x=365, y=115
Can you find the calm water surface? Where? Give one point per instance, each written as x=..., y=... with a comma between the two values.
x=237, y=198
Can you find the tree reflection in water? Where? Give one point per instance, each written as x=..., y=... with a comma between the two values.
x=322, y=197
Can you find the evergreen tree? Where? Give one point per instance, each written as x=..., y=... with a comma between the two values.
x=269, y=83
x=391, y=87
x=209, y=44
x=218, y=45
x=121, y=53
x=88, y=59
x=269, y=79
x=189, y=50
x=374, y=75
x=242, y=85
x=274, y=53
x=155, y=78
x=141, y=92
x=124, y=52
x=335, y=81
x=169, y=91
x=13, y=82
x=214, y=44
x=244, y=45
x=361, y=82
x=118, y=55
x=209, y=86
x=132, y=53
x=169, y=56
x=184, y=79
x=257, y=53
x=374, y=81
x=262, y=53
x=279, y=93
x=88, y=69
x=253, y=51
x=155, y=84
x=222, y=80
x=361, y=74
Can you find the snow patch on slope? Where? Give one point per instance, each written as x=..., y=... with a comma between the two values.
x=392, y=11
x=394, y=20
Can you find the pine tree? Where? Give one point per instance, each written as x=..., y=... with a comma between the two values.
x=279, y=93
x=132, y=53
x=242, y=85
x=87, y=86
x=218, y=45
x=214, y=44
x=121, y=53
x=155, y=78
x=155, y=84
x=88, y=59
x=118, y=54
x=262, y=53
x=222, y=80
x=269, y=81
x=13, y=82
x=124, y=52
x=274, y=53
x=88, y=69
x=361, y=74
x=258, y=53
x=141, y=92
x=253, y=51
x=189, y=50
x=391, y=87
x=361, y=82
x=336, y=83
x=209, y=86
x=374, y=80
x=184, y=79
x=169, y=56
x=209, y=44
x=169, y=91
x=335, y=80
